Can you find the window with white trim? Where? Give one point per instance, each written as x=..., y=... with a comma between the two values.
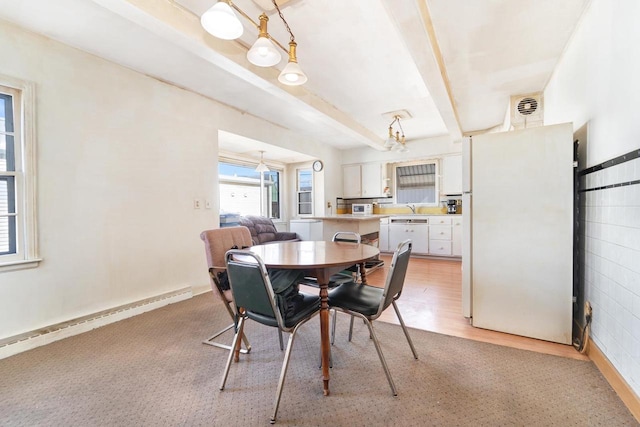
x=247, y=192
x=18, y=240
x=305, y=191
x=416, y=182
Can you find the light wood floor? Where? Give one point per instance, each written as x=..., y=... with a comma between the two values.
x=431, y=300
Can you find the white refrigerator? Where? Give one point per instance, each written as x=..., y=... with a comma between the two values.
x=518, y=241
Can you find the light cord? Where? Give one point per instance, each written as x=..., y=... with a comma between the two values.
x=292, y=37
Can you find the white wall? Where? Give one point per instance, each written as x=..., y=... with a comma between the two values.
x=596, y=83
x=121, y=157
x=597, y=80
x=419, y=149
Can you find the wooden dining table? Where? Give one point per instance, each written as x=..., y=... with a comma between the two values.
x=319, y=259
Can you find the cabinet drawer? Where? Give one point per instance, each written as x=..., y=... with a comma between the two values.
x=440, y=220
x=439, y=247
x=440, y=232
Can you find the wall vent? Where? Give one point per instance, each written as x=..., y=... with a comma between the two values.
x=526, y=110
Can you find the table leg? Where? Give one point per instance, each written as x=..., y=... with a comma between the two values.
x=363, y=274
x=324, y=333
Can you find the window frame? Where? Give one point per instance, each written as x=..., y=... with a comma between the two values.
x=436, y=201
x=299, y=192
x=27, y=255
x=251, y=163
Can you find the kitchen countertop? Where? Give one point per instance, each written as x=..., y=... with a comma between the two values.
x=350, y=217
x=421, y=214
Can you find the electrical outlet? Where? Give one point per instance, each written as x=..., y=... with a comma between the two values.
x=328, y=204
x=196, y=204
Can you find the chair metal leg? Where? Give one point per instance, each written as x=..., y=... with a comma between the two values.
x=351, y=328
x=406, y=331
x=236, y=338
x=209, y=341
x=285, y=366
x=380, y=355
x=333, y=326
x=281, y=341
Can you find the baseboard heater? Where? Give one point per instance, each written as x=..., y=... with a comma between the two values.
x=36, y=338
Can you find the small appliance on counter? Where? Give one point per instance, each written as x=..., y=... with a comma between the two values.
x=452, y=206
x=362, y=209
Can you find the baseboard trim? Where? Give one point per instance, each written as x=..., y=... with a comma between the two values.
x=29, y=340
x=613, y=377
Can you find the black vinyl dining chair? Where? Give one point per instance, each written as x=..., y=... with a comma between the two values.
x=255, y=299
x=349, y=274
x=368, y=302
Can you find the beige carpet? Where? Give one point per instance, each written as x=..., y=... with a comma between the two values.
x=152, y=370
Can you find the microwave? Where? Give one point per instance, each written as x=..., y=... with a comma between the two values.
x=362, y=209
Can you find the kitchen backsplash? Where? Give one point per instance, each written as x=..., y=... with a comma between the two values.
x=386, y=206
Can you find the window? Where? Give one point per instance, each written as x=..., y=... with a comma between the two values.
x=305, y=191
x=243, y=191
x=8, y=215
x=416, y=183
x=17, y=176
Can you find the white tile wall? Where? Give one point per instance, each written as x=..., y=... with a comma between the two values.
x=611, y=269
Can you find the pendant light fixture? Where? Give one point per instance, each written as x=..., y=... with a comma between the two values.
x=221, y=21
x=261, y=166
x=263, y=53
x=397, y=141
x=292, y=74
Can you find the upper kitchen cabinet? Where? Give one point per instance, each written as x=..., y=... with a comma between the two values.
x=452, y=175
x=362, y=180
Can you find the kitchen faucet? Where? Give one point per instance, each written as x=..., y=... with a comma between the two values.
x=413, y=208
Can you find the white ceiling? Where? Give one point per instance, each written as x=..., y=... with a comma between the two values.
x=363, y=58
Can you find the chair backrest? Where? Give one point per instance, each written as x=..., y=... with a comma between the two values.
x=396, y=275
x=346, y=236
x=251, y=287
x=218, y=241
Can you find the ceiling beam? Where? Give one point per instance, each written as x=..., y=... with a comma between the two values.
x=180, y=27
x=413, y=21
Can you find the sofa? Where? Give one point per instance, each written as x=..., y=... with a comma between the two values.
x=263, y=231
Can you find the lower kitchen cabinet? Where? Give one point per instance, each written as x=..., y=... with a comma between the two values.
x=440, y=235
x=418, y=233
x=383, y=241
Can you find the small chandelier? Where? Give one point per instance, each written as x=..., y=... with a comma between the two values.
x=262, y=167
x=222, y=22
x=396, y=142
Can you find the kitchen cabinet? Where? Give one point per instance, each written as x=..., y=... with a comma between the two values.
x=371, y=174
x=307, y=229
x=383, y=241
x=362, y=180
x=417, y=232
x=351, y=181
x=451, y=175
x=440, y=235
x=436, y=235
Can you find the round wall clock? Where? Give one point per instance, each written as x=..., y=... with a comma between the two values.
x=317, y=166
